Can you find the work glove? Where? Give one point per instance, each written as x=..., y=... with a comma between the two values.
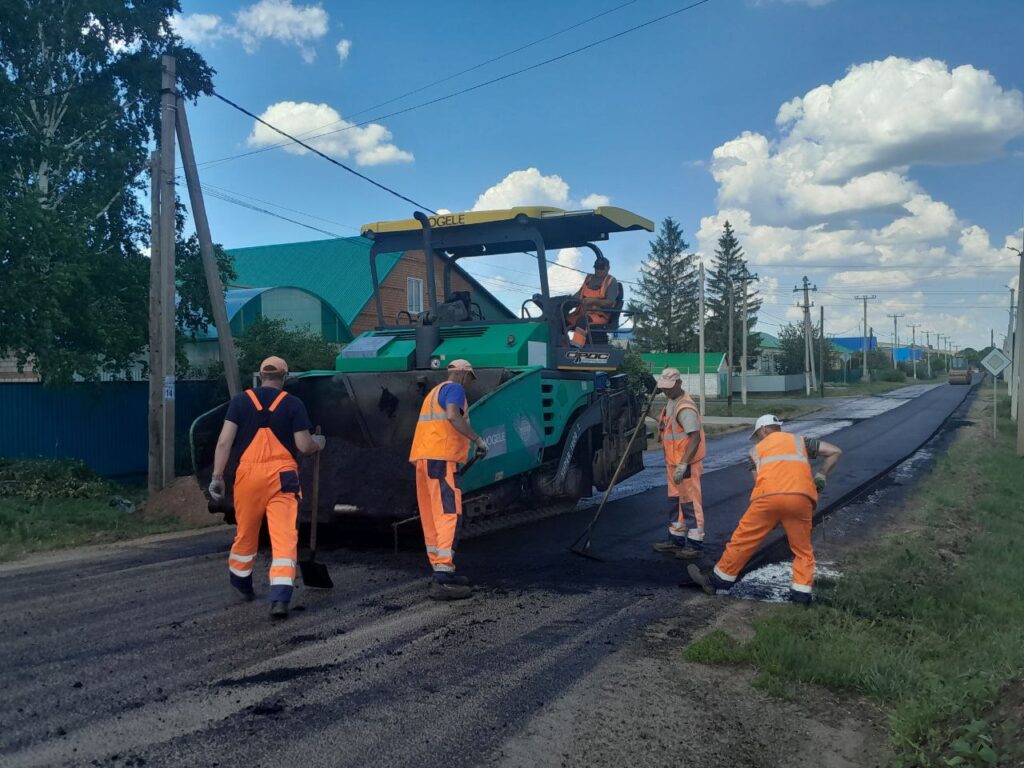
x=481, y=447
x=216, y=489
x=320, y=441
x=820, y=481
x=680, y=472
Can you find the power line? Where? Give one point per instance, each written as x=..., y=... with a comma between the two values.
x=475, y=67
x=472, y=88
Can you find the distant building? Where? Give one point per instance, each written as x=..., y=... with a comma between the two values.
x=338, y=271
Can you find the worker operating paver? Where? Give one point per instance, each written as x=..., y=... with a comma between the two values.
x=442, y=441
x=264, y=431
x=785, y=493
x=682, y=438
x=600, y=291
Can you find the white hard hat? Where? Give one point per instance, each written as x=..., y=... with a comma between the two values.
x=768, y=420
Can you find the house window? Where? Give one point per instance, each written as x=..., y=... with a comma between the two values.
x=414, y=294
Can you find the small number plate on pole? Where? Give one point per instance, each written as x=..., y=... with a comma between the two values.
x=995, y=361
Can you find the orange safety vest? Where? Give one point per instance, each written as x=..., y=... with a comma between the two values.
x=586, y=292
x=435, y=437
x=674, y=440
x=782, y=467
x=265, y=448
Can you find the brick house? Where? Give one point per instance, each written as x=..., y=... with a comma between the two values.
x=338, y=270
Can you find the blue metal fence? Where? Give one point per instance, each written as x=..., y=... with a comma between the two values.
x=103, y=424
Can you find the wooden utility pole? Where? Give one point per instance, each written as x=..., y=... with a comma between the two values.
x=927, y=351
x=808, y=348
x=743, y=359
x=865, y=374
x=1018, y=351
x=913, y=344
x=168, y=237
x=700, y=342
x=895, y=335
x=1010, y=348
x=213, y=284
x=155, y=474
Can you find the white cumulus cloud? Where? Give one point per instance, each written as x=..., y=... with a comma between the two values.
x=281, y=20
x=344, y=48
x=595, y=201
x=368, y=145
x=197, y=28
x=530, y=187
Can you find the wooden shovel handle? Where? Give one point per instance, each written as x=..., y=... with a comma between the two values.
x=316, y=498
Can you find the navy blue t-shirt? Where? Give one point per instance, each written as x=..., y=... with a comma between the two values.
x=288, y=418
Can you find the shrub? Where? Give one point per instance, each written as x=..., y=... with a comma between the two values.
x=50, y=479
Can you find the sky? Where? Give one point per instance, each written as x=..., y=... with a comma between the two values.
x=876, y=147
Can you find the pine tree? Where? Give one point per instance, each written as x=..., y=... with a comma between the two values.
x=730, y=265
x=665, y=307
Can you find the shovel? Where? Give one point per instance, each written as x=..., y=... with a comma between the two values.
x=314, y=574
x=588, y=532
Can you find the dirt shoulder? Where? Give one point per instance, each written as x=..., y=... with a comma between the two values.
x=647, y=705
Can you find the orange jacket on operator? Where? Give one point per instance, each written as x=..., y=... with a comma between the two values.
x=435, y=436
x=675, y=441
x=783, y=467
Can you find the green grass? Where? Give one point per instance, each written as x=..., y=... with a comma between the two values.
x=28, y=526
x=929, y=622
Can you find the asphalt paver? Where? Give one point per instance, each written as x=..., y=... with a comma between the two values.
x=141, y=655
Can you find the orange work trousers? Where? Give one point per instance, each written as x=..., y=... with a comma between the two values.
x=270, y=489
x=440, y=503
x=791, y=510
x=689, y=520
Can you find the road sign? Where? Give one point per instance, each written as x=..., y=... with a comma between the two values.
x=995, y=361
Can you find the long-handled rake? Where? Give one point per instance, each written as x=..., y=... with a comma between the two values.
x=588, y=532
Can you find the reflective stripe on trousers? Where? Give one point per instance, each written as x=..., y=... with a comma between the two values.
x=440, y=503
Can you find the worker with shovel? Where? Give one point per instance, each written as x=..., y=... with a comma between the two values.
x=264, y=431
x=785, y=493
x=441, y=442
x=682, y=437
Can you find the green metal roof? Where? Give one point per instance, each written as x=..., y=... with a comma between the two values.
x=768, y=341
x=337, y=270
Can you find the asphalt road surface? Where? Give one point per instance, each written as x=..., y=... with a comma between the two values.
x=141, y=655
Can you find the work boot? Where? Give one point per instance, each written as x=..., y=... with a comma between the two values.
x=247, y=595
x=451, y=578
x=279, y=610
x=700, y=579
x=800, y=598
x=668, y=547
x=691, y=551
x=449, y=591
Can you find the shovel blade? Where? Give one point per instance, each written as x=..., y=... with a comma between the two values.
x=585, y=552
x=315, y=574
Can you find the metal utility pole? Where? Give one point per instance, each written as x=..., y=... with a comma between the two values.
x=1010, y=348
x=700, y=343
x=865, y=374
x=927, y=351
x=155, y=474
x=913, y=344
x=732, y=311
x=821, y=354
x=743, y=364
x=168, y=104
x=808, y=354
x=895, y=335
x=214, y=286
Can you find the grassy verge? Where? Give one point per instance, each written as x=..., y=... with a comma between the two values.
x=48, y=504
x=929, y=620
x=28, y=525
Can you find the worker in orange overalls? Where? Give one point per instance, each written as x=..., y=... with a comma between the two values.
x=264, y=431
x=442, y=441
x=785, y=493
x=682, y=438
x=599, y=291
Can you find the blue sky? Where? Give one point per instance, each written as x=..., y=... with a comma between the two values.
x=903, y=154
